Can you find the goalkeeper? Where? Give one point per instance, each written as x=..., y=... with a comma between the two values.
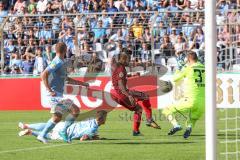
x=193, y=102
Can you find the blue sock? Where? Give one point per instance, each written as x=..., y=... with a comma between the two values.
x=37, y=126
x=69, y=120
x=49, y=126
x=35, y=133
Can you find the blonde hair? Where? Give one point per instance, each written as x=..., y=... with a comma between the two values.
x=61, y=48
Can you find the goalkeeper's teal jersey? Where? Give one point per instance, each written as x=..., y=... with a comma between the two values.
x=194, y=80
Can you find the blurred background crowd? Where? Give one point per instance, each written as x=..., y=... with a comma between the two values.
x=152, y=32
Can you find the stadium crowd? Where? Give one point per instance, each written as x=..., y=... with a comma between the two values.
x=159, y=30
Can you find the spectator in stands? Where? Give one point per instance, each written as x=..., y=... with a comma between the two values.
x=180, y=46
x=111, y=7
x=200, y=23
x=20, y=48
x=188, y=9
x=48, y=55
x=79, y=21
x=172, y=7
x=3, y=13
x=11, y=33
x=232, y=15
x=57, y=5
x=28, y=64
x=145, y=55
x=123, y=31
x=199, y=36
x=124, y=6
x=143, y=19
x=159, y=31
x=48, y=34
x=187, y=27
x=167, y=47
x=10, y=48
x=137, y=29
x=200, y=5
x=237, y=32
x=80, y=5
x=8, y=4
x=16, y=60
x=99, y=33
x=128, y=20
x=42, y=6
x=147, y=35
x=106, y=20
x=30, y=50
x=68, y=5
x=16, y=64
x=76, y=50
x=32, y=5
x=223, y=5
x=86, y=48
x=117, y=36
x=67, y=38
x=225, y=36
x=82, y=35
x=173, y=36
x=66, y=23
x=19, y=6
x=40, y=62
x=95, y=64
x=49, y=9
x=104, y=4
x=138, y=6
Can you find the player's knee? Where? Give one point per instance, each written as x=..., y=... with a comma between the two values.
x=146, y=103
x=165, y=112
x=138, y=109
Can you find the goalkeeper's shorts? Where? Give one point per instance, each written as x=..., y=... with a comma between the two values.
x=187, y=105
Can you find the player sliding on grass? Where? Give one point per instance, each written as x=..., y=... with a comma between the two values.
x=54, y=78
x=193, y=101
x=85, y=130
x=130, y=98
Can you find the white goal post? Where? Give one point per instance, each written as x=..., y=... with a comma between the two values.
x=210, y=93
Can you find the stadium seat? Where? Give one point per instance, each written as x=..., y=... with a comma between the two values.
x=236, y=67
x=172, y=63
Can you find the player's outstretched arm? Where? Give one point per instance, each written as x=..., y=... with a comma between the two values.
x=86, y=137
x=76, y=82
x=180, y=75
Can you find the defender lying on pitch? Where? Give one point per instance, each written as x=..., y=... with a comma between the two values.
x=84, y=130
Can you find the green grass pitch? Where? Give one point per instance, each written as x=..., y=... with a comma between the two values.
x=120, y=144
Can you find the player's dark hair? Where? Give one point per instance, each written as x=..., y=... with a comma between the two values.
x=101, y=115
x=123, y=57
x=193, y=56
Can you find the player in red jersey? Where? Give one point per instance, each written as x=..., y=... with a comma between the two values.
x=130, y=99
